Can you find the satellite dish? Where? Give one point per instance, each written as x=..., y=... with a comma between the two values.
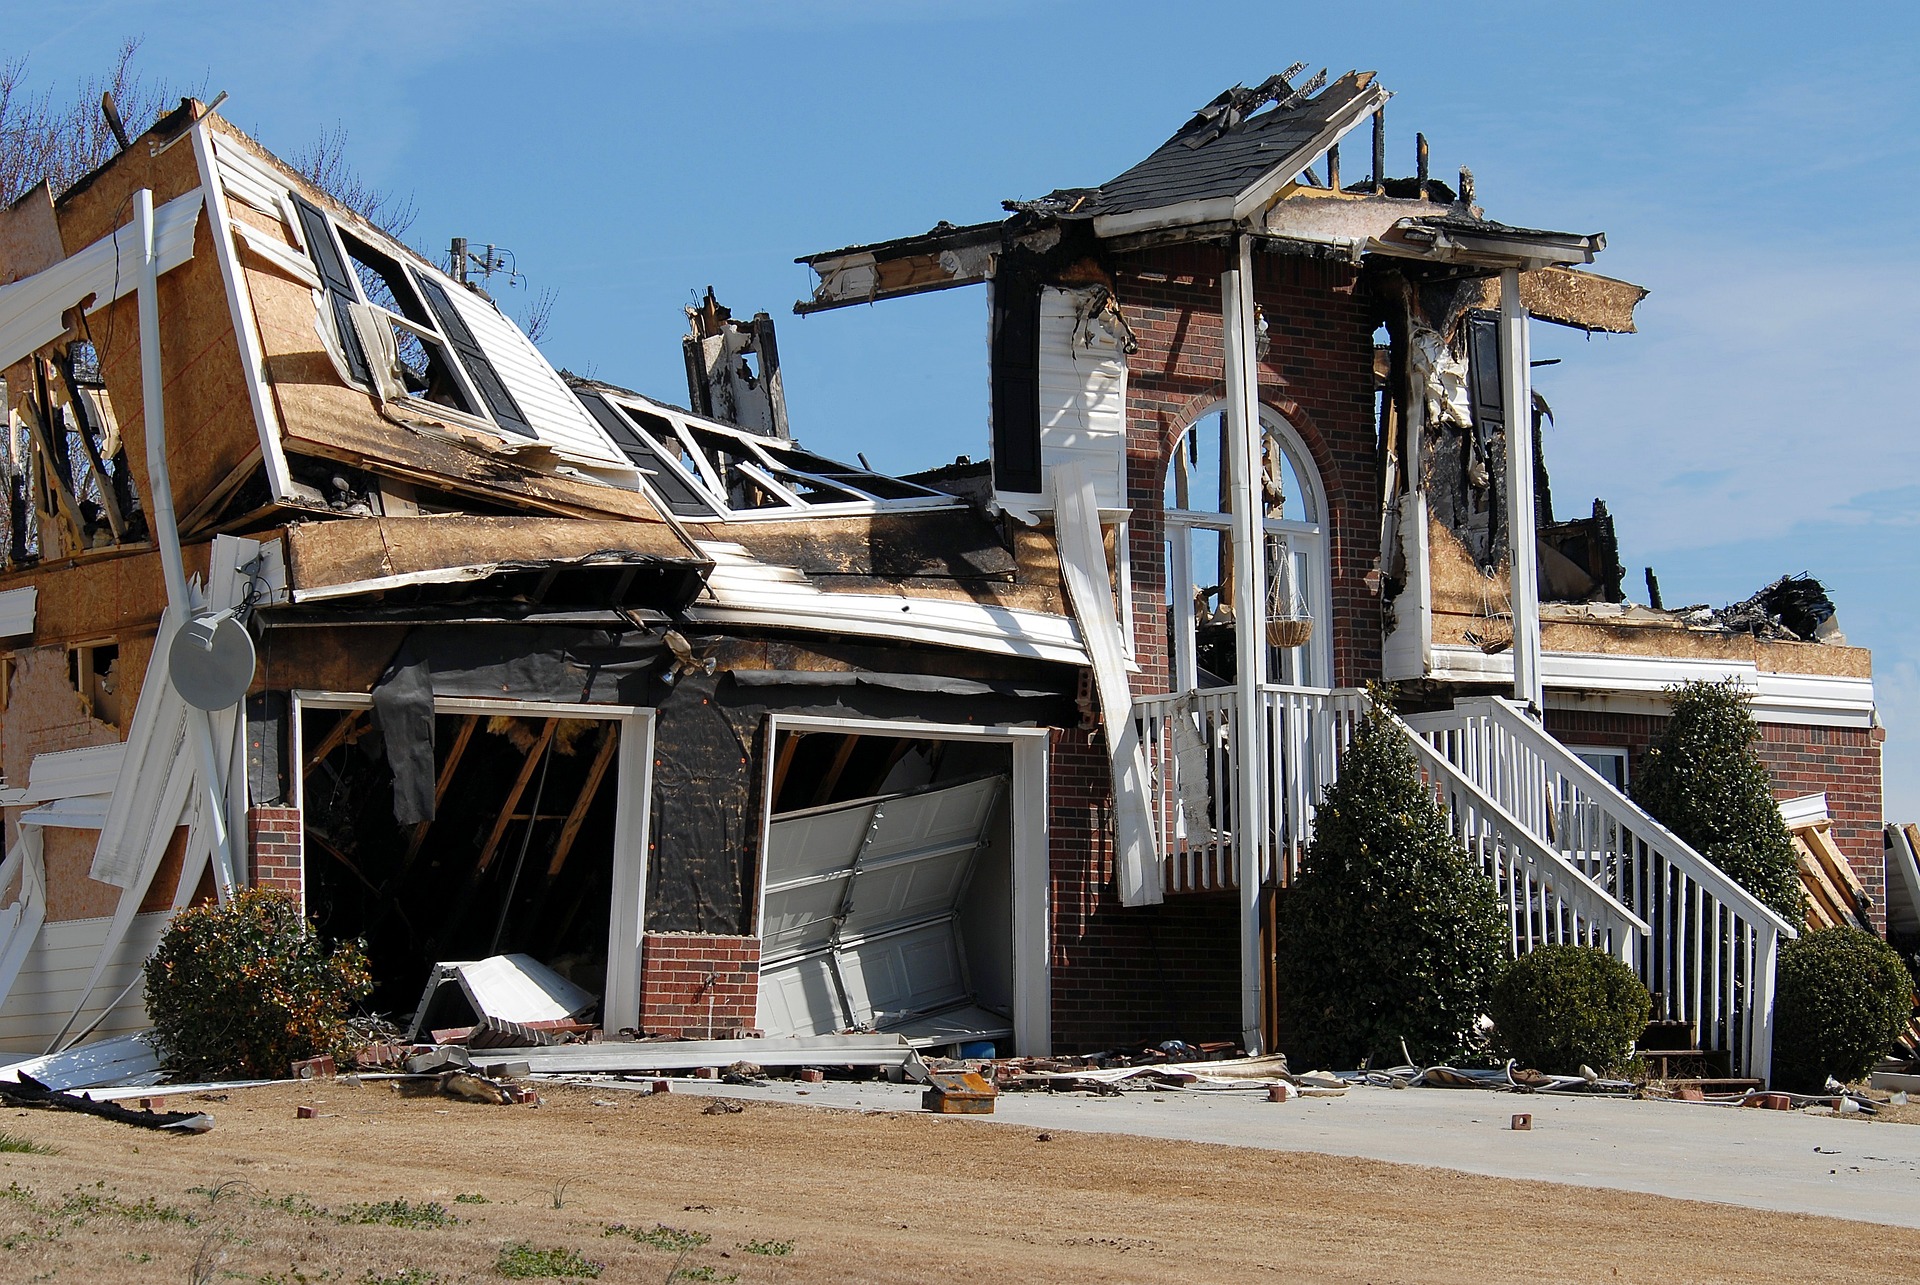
x=211, y=661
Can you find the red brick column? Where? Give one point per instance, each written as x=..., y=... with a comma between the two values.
x=698, y=985
x=274, y=838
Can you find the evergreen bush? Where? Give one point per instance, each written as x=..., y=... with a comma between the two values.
x=249, y=988
x=1843, y=997
x=1390, y=932
x=1558, y=1007
x=1704, y=782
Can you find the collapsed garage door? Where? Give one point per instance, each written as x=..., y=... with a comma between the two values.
x=873, y=908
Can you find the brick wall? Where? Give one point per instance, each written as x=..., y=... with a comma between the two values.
x=275, y=842
x=1318, y=375
x=1122, y=975
x=698, y=985
x=1842, y=761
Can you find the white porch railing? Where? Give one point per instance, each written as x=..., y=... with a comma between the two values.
x=1713, y=945
x=1193, y=753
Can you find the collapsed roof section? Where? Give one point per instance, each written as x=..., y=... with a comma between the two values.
x=1248, y=163
x=706, y=470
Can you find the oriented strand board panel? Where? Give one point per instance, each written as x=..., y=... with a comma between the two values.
x=353, y=550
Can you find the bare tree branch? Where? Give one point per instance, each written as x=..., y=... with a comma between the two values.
x=325, y=165
x=533, y=322
x=63, y=143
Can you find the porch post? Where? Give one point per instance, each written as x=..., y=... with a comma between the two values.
x=1249, y=622
x=1523, y=589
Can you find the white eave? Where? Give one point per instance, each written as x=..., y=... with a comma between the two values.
x=744, y=591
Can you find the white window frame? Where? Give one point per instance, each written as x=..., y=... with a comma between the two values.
x=760, y=465
x=477, y=418
x=633, y=817
x=1309, y=538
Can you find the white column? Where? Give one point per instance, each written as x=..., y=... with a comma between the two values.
x=1249, y=621
x=1523, y=589
x=166, y=534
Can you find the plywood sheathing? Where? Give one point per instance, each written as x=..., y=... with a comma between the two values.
x=1463, y=596
x=1585, y=300
x=211, y=431
x=942, y=555
x=322, y=415
x=29, y=236
x=333, y=659
x=322, y=554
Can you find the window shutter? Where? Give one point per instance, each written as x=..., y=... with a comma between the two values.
x=338, y=280
x=665, y=479
x=1483, y=375
x=506, y=411
x=1015, y=354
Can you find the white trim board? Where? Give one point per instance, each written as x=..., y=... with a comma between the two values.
x=17, y=607
x=1638, y=684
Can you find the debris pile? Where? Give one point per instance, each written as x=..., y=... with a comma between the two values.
x=1791, y=609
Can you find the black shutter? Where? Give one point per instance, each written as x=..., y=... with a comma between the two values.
x=338, y=279
x=493, y=391
x=662, y=475
x=1015, y=354
x=1483, y=376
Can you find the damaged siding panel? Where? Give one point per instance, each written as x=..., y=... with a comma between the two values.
x=33, y=310
x=1083, y=393
x=551, y=411
x=17, y=611
x=55, y=978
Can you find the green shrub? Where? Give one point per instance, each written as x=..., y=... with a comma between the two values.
x=249, y=988
x=1704, y=782
x=1558, y=1007
x=1391, y=932
x=1843, y=996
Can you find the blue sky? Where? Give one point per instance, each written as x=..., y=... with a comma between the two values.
x=1753, y=165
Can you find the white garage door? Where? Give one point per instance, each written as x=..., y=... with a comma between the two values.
x=858, y=927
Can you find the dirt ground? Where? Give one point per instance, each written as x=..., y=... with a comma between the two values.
x=428, y=1191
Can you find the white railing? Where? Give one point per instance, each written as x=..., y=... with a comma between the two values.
x=1713, y=945
x=1193, y=756
x=1548, y=900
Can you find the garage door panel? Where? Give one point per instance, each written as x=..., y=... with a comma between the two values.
x=889, y=977
x=801, y=919
x=799, y=998
x=907, y=891
x=815, y=843
x=937, y=818
x=899, y=952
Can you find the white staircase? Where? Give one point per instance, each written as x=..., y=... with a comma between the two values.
x=1712, y=945
x=1572, y=859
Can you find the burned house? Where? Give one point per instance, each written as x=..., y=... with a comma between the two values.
x=477, y=658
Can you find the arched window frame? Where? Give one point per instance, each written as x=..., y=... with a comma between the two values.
x=1310, y=665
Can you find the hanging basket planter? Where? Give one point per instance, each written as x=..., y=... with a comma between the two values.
x=1293, y=631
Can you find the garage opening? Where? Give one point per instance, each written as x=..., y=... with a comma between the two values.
x=521, y=856
x=888, y=893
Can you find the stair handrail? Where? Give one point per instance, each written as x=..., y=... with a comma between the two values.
x=1520, y=833
x=1514, y=721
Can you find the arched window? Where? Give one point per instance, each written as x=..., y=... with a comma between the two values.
x=1199, y=550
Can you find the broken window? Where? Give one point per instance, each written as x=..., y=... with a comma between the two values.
x=399, y=330
x=703, y=469
x=94, y=670
x=1199, y=559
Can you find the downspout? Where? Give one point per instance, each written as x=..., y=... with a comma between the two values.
x=1523, y=586
x=166, y=531
x=1249, y=623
